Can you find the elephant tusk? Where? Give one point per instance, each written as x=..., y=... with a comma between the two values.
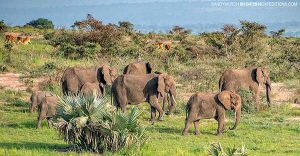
x=174, y=99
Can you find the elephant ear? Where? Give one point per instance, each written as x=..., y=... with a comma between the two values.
x=106, y=74
x=259, y=75
x=161, y=83
x=125, y=70
x=224, y=98
x=148, y=67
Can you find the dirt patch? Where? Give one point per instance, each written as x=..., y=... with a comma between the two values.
x=296, y=118
x=12, y=81
x=280, y=93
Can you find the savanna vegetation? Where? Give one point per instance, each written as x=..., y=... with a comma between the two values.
x=196, y=62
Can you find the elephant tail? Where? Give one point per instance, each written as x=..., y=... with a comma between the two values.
x=221, y=83
x=188, y=106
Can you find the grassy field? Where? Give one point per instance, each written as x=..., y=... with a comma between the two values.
x=272, y=131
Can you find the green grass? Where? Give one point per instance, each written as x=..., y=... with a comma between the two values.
x=270, y=132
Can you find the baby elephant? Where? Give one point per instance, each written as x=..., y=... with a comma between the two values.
x=207, y=105
x=47, y=109
x=88, y=88
x=37, y=98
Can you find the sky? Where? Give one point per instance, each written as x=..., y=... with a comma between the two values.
x=149, y=15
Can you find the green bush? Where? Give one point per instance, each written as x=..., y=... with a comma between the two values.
x=248, y=102
x=92, y=124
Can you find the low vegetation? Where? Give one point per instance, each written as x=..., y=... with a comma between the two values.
x=92, y=124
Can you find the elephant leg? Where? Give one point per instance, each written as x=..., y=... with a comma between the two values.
x=50, y=122
x=196, y=125
x=221, y=122
x=154, y=103
x=73, y=86
x=39, y=122
x=256, y=96
x=187, y=127
x=153, y=114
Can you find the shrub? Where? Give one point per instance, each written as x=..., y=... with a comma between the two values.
x=92, y=124
x=41, y=23
x=216, y=149
x=248, y=102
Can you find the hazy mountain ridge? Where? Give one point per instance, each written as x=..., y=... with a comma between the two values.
x=157, y=16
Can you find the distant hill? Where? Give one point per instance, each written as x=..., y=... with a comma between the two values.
x=152, y=15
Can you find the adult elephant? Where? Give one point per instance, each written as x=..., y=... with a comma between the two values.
x=75, y=77
x=135, y=89
x=247, y=78
x=138, y=68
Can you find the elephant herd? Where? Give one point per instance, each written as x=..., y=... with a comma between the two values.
x=139, y=84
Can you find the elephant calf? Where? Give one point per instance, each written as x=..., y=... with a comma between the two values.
x=47, y=109
x=88, y=88
x=207, y=105
x=37, y=98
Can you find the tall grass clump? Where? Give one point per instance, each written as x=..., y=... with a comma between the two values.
x=92, y=124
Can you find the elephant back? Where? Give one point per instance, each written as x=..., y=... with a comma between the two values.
x=86, y=74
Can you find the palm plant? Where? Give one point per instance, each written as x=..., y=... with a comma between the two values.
x=217, y=150
x=92, y=124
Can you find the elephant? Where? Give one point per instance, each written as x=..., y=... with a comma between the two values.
x=209, y=105
x=47, y=109
x=135, y=89
x=88, y=88
x=37, y=98
x=247, y=78
x=75, y=77
x=138, y=68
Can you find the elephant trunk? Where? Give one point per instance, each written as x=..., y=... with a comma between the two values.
x=268, y=91
x=237, y=117
x=172, y=103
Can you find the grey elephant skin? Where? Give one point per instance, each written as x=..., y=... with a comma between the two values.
x=209, y=105
x=88, y=89
x=138, y=68
x=47, y=109
x=247, y=78
x=37, y=98
x=75, y=77
x=135, y=89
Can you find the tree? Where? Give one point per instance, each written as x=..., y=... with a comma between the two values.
x=41, y=23
x=251, y=33
x=3, y=26
x=230, y=36
x=277, y=34
x=126, y=26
